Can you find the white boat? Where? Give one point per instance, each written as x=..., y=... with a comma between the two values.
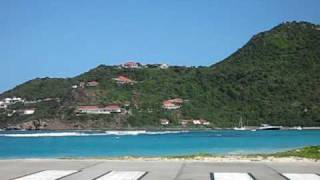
x=269, y=127
x=241, y=127
x=299, y=128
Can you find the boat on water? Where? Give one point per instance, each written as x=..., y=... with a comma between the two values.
x=299, y=128
x=241, y=127
x=269, y=127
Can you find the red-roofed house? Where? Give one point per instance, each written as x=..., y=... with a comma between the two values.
x=99, y=110
x=113, y=108
x=130, y=65
x=92, y=110
x=124, y=80
x=92, y=83
x=169, y=105
x=172, y=103
x=176, y=101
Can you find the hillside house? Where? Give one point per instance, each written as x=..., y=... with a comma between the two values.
x=160, y=66
x=172, y=103
x=28, y=111
x=196, y=122
x=92, y=110
x=99, y=110
x=204, y=122
x=164, y=122
x=13, y=100
x=92, y=84
x=31, y=102
x=130, y=65
x=122, y=80
x=113, y=108
x=185, y=122
x=200, y=122
x=74, y=86
x=3, y=105
x=164, y=66
x=82, y=84
x=169, y=105
x=176, y=101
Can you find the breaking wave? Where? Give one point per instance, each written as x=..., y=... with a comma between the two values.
x=107, y=133
x=123, y=133
x=58, y=134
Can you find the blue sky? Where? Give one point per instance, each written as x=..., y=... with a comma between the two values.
x=63, y=38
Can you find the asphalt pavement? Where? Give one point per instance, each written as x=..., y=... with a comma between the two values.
x=155, y=170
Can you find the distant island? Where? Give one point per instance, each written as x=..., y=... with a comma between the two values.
x=274, y=79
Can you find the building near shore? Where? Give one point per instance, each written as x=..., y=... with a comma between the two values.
x=164, y=122
x=200, y=122
x=185, y=122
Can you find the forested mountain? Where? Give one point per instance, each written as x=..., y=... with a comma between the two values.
x=274, y=78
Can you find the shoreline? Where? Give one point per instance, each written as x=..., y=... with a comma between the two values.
x=304, y=154
x=159, y=129
x=224, y=159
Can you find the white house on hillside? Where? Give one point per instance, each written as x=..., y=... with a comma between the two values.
x=3, y=105
x=164, y=66
x=130, y=65
x=13, y=100
x=28, y=111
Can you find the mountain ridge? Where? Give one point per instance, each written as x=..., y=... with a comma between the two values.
x=272, y=79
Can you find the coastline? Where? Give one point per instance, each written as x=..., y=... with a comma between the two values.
x=224, y=159
x=158, y=129
x=305, y=154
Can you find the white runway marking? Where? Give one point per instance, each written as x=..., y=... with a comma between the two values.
x=293, y=176
x=232, y=176
x=123, y=175
x=48, y=175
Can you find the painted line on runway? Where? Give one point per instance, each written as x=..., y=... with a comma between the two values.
x=295, y=176
x=231, y=176
x=48, y=175
x=122, y=175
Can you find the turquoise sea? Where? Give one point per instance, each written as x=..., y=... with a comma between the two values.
x=54, y=144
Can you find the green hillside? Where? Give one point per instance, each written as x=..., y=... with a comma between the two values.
x=273, y=79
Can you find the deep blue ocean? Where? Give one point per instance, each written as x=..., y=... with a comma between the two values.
x=55, y=144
